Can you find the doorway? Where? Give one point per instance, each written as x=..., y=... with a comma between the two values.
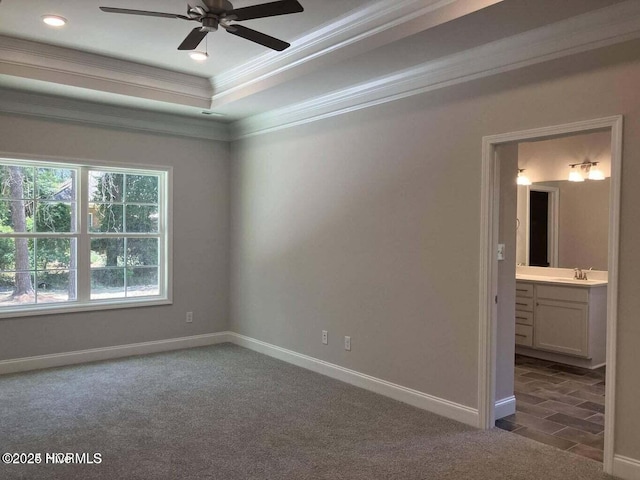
x=539, y=229
x=541, y=223
x=490, y=213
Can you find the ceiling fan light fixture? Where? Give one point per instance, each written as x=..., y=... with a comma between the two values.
x=54, y=20
x=198, y=56
x=215, y=13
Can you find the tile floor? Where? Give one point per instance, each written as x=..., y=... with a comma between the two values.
x=559, y=405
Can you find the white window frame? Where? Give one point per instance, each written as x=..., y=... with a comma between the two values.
x=84, y=236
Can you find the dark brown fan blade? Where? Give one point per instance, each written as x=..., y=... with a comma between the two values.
x=258, y=37
x=193, y=39
x=272, y=9
x=143, y=12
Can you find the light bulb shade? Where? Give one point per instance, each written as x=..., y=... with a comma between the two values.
x=198, y=56
x=595, y=173
x=54, y=20
x=575, y=176
x=523, y=179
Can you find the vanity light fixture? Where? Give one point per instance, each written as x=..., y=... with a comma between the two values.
x=522, y=179
x=588, y=169
x=54, y=20
x=575, y=175
x=595, y=173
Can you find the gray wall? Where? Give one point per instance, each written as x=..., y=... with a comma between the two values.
x=367, y=225
x=549, y=160
x=200, y=207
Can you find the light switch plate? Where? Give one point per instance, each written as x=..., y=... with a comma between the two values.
x=501, y=251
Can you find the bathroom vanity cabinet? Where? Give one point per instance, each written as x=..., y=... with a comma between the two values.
x=564, y=322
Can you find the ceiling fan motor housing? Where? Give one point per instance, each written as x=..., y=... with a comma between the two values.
x=210, y=24
x=218, y=6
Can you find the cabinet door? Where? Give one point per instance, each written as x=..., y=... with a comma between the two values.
x=562, y=327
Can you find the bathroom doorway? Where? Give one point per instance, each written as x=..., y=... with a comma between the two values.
x=492, y=344
x=541, y=223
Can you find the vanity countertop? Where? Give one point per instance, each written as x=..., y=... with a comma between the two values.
x=560, y=280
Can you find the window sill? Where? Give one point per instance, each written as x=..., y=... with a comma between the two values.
x=84, y=307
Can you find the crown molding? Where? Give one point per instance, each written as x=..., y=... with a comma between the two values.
x=362, y=30
x=40, y=61
x=582, y=33
x=58, y=108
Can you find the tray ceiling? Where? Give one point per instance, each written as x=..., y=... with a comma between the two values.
x=133, y=61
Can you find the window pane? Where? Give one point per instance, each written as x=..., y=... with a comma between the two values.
x=141, y=218
x=54, y=217
x=105, y=217
x=142, y=189
x=16, y=254
x=142, y=252
x=16, y=182
x=55, y=184
x=142, y=281
x=56, y=286
x=107, y=252
x=105, y=186
x=17, y=288
x=40, y=201
x=107, y=283
x=16, y=216
x=53, y=253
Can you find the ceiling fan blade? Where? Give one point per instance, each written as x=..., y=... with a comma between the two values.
x=258, y=37
x=272, y=9
x=143, y=12
x=193, y=39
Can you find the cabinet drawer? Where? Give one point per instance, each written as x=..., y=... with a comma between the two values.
x=524, y=318
x=569, y=294
x=524, y=289
x=524, y=304
x=524, y=335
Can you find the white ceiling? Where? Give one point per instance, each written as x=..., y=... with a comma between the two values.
x=153, y=40
x=133, y=61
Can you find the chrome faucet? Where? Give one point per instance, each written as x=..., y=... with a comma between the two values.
x=579, y=274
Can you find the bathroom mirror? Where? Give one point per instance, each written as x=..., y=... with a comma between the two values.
x=563, y=224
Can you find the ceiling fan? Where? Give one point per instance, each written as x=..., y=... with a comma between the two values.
x=216, y=13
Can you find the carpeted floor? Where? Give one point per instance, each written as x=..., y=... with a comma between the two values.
x=227, y=413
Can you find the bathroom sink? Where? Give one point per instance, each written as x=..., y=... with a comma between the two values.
x=575, y=281
x=566, y=280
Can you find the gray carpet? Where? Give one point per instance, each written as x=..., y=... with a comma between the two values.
x=227, y=413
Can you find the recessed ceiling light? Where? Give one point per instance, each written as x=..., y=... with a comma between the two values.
x=198, y=56
x=54, y=20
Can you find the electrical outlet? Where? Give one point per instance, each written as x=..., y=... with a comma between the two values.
x=347, y=343
x=189, y=318
x=325, y=337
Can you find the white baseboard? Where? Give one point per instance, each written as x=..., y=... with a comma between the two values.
x=558, y=357
x=418, y=399
x=505, y=407
x=107, y=353
x=626, y=468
